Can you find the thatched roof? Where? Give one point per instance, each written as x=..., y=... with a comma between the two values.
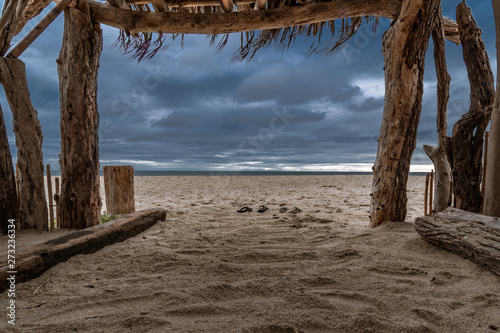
x=147, y=26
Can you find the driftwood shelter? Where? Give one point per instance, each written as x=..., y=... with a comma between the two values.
x=261, y=22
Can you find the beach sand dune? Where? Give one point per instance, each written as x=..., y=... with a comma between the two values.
x=207, y=268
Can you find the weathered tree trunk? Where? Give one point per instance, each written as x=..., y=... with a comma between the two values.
x=472, y=236
x=443, y=172
x=438, y=154
x=32, y=201
x=492, y=191
x=119, y=185
x=8, y=193
x=468, y=132
x=404, y=48
x=77, y=67
x=38, y=259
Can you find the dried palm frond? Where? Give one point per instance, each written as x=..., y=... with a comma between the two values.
x=146, y=45
x=282, y=39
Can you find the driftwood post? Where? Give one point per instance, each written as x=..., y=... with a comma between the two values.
x=468, y=132
x=438, y=154
x=492, y=191
x=404, y=48
x=426, y=196
x=119, y=186
x=77, y=67
x=485, y=162
x=32, y=202
x=51, y=203
x=56, y=199
x=8, y=191
x=431, y=192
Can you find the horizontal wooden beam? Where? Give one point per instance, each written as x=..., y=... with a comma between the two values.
x=38, y=259
x=188, y=3
x=239, y=21
x=38, y=29
x=221, y=23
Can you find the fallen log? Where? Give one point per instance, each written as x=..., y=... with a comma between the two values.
x=34, y=262
x=472, y=236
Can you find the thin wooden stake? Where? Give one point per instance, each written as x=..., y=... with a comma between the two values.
x=18, y=176
x=485, y=153
x=51, y=203
x=431, y=191
x=426, y=193
x=38, y=29
x=56, y=199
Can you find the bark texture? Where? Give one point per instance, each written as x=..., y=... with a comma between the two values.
x=443, y=172
x=77, y=66
x=8, y=192
x=468, y=132
x=36, y=261
x=472, y=236
x=438, y=154
x=404, y=48
x=32, y=201
x=492, y=190
x=119, y=185
x=248, y=20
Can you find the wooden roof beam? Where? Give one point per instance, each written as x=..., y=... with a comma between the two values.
x=221, y=23
x=188, y=3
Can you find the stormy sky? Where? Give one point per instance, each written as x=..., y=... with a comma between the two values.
x=191, y=108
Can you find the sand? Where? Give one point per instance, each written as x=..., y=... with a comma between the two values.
x=210, y=269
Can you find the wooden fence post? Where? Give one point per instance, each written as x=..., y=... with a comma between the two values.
x=426, y=193
x=56, y=199
x=431, y=192
x=119, y=188
x=51, y=202
x=485, y=164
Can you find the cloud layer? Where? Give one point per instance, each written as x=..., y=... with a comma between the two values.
x=191, y=108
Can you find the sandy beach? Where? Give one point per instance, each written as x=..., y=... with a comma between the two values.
x=207, y=268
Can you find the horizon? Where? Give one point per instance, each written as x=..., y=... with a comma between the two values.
x=193, y=108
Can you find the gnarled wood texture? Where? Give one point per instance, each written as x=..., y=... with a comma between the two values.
x=404, y=48
x=468, y=132
x=77, y=67
x=32, y=202
x=472, y=236
x=438, y=154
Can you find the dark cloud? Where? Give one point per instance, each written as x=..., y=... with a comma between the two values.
x=193, y=108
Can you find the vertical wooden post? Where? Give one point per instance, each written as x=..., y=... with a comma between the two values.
x=17, y=182
x=119, y=187
x=485, y=163
x=426, y=197
x=77, y=67
x=431, y=192
x=492, y=191
x=468, y=132
x=56, y=199
x=404, y=46
x=33, y=211
x=51, y=203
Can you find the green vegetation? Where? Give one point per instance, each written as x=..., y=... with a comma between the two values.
x=105, y=217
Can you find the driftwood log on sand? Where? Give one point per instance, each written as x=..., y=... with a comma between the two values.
x=35, y=262
x=472, y=236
